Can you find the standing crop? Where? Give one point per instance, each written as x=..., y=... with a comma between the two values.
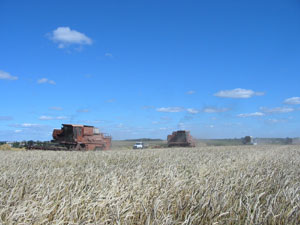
x=204, y=185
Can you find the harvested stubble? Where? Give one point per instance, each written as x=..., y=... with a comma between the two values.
x=205, y=185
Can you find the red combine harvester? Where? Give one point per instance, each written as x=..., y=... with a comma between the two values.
x=81, y=137
x=77, y=137
x=180, y=138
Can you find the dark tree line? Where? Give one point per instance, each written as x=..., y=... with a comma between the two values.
x=24, y=144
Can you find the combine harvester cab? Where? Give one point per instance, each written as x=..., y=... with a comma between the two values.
x=180, y=138
x=81, y=137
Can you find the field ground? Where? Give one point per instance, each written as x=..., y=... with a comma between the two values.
x=126, y=145
x=121, y=144
x=202, y=185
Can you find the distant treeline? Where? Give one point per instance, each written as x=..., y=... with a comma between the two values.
x=24, y=144
x=239, y=141
x=209, y=142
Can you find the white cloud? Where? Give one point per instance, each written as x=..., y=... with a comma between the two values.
x=64, y=36
x=255, y=114
x=277, y=110
x=215, y=110
x=52, y=118
x=28, y=125
x=192, y=111
x=6, y=76
x=56, y=108
x=238, y=93
x=292, y=101
x=191, y=92
x=46, y=81
x=170, y=109
x=45, y=118
x=163, y=128
x=18, y=131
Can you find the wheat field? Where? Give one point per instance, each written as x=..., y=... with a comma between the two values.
x=203, y=185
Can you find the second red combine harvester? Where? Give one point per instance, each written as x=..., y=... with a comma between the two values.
x=180, y=138
x=81, y=137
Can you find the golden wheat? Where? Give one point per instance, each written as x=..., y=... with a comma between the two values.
x=204, y=185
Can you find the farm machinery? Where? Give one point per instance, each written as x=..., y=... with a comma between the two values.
x=248, y=140
x=77, y=137
x=180, y=138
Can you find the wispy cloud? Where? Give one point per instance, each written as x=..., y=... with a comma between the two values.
x=255, y=114
x=83, y=110
x=148, y=107
x=65, y=37
x=27, y=125
x=165, y=118
x=181, y=126
x=5, y=118
x=192, y=111
x=27, y=131
x=91, y=121
x=120, y=125
x=52, y=118
x=238, y=93
x=6, y=76
x=46, y=81
x=108, y=55
x=110, y=100
x=215, y=110
x=292, y=101
x=164, y=128
x=56, y=108
x=191, y=92
x=170, y=109
x=275, y=121
x=277, y=110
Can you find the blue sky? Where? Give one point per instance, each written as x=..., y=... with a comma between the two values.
x=145, y=68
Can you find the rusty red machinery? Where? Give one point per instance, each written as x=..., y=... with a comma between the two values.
x=77, y=137
x=180, y=138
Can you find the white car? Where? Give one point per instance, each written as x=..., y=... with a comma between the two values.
x=138, y=145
